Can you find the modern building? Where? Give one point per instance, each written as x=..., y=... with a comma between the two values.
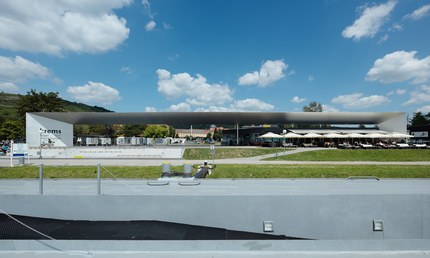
x=57, y=127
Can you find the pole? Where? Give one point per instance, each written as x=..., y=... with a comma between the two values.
x=41, y=179
x=99, y=188
x=11, y=153
x=237, y=134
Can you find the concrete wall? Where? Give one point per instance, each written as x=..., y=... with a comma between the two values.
x=317, y=217
x=39, y=130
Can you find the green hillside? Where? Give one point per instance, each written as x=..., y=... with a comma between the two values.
x=8, y=110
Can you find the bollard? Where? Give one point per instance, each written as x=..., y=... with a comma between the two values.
x=165, y=170
x=99, y=187
x=187, y=170
x=41, y=179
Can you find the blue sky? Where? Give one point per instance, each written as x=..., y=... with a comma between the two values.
x=227, y=55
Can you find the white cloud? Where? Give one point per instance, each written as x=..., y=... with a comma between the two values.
x=311, y=78
x=150, y=109
x=328, y=108
x=297, y=99
x=56, y=27
x=419, y=13
x=167, y=26
x=181, y=107
x=244, y=105
x=19, y=69
x=421, y=95
x=147, y=5
x=94, y=92
x=397, y=27
x=270, y=72
x=126, y=69
x=251, y=105
x=424, y=109
x=400, y=66
x=400, y=91
x=397, y=92
x=357, y=100
x=383, y=39
x=197, y=90
x=150, y=26
x=370, y=21
x=8, y=87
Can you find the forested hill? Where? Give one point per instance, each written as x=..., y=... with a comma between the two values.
x=8, y=106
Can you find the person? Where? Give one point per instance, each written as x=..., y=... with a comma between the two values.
x=204, y=169
x=4, y=149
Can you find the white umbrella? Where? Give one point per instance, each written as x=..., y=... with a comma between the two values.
x=356, y=135
x=270, y=135
x=377, y=135
x=335, y=135
x=400, y=135
x=312, y=135
x=292, y=135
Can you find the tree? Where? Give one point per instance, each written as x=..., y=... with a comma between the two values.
x=420, y=119
x=313, y=107
x=11, y=130
x=133, y=130
x=156, y=131
x=217, y=135
x=39, y=102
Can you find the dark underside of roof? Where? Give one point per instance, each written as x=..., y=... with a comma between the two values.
x=226, y=118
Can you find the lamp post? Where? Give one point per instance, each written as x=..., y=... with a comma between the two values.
x=40, y=142
x=284, y=132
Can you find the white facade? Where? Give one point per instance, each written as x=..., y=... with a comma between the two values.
x=44, y=131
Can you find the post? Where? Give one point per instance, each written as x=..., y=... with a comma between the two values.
x=237, y=134
x=11, y=153
x=41, y=179
x=99, y=189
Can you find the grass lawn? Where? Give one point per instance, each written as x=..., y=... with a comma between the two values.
x=226, y=153
x=359, y=155
x=227, y=171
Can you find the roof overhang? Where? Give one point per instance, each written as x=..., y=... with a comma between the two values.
x=243, y=118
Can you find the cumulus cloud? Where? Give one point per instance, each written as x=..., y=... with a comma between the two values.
x=400, y=66
x=56, y=27
x=420, y=95
x=150, y=26
x=419, y=13
x=297, y=99
x=397, y=92
x=370, y=21
x=8, y=87
x=424, y=109
x=357, y=100
x=251, y=105
x=244, y=105
x=270, y=72
x=19, y=69
x=196, y=89
x=181, y=107
x=94, y=92
x=328, y=108
x=150, y=109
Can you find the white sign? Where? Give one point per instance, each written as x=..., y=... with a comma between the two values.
x=19, y=149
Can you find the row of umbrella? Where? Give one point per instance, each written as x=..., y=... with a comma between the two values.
x=338, y=136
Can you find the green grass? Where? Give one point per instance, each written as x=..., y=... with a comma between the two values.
x=226, y=153
x=320, y=171
x=358, y=155
x=227, y=171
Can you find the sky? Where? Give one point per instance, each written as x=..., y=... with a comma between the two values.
x=225, y=55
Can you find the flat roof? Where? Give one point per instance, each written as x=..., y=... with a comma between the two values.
x=190, y=118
